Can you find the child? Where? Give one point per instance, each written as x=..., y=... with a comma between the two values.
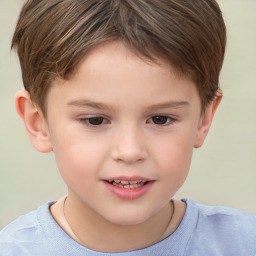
x=122, y=91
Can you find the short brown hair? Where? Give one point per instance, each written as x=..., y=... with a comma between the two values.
x=52, y=37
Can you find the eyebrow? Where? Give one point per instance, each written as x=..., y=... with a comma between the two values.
x=169, y=104
x=101, y=106
x=87, y=103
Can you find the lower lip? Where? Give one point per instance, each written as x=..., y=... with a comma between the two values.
x=129, y=193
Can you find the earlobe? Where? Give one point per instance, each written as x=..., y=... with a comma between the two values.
x=35, y=123
x=206, y=120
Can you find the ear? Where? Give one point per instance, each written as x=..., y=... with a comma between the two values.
x=206, y=120
x=34, y=121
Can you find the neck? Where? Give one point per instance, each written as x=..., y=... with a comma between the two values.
x=93, y=231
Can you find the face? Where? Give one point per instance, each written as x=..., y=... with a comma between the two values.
x=123, y=131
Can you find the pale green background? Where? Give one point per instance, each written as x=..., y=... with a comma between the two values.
x=222, y=172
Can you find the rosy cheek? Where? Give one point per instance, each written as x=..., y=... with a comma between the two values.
x=79, y=160
x=175, y=155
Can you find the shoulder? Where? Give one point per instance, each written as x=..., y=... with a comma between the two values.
x=23, y=233
x=225, y=229
x=221, y=216
x=20, y=228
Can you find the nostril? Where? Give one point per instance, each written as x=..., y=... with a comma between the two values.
x=129, y=156
x=129, y=148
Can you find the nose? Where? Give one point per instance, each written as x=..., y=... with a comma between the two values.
x=129, y=146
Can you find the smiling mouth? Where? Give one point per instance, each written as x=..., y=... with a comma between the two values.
x=128, y=184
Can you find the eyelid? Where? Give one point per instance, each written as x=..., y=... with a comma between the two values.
x=171, y=120
x=85, y=121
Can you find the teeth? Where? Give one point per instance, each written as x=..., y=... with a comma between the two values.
x=127, y=184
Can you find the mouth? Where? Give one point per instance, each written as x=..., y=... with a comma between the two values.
x=128, y=188
x=128, y=184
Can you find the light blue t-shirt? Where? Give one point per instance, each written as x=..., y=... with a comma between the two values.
x=204, y=231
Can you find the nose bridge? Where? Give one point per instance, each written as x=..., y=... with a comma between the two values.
x=129, y=146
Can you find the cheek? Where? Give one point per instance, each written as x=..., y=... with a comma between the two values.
x=175, y=165
x=77, y=160
x=174, y=157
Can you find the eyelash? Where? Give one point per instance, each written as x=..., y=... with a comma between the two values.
x=166, y=120
x=87, y=120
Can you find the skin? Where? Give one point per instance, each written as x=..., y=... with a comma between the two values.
x=148, y=122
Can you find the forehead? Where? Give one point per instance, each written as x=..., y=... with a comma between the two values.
x=115, y=57
x=112, y=67
x=118, y=52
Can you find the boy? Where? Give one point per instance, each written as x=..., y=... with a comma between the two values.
x=122, y=91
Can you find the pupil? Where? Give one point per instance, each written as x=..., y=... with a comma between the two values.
x=159, y=119
x=96, y=120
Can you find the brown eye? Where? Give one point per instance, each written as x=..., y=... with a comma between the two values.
x=97, y=120
x=160, y=120
x=94, y=121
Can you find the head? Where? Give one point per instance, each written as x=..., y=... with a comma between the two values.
x=120, y=90
x=53, y=37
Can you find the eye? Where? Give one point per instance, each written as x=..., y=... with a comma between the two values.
x=161, y=120
x=94, y=121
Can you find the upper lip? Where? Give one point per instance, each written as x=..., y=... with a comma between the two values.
x=128, y=178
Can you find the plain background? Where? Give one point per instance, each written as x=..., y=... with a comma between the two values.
x=223, y=171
